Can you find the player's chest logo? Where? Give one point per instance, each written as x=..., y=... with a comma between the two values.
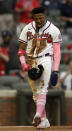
x=47, y=37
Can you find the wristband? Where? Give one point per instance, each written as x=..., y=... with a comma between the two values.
x=21, y=52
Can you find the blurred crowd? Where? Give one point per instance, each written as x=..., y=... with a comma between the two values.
x=14, y=15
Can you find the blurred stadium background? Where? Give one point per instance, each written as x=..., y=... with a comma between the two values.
x=16, y=104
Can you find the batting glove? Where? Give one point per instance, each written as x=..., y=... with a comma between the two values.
x=54, y=78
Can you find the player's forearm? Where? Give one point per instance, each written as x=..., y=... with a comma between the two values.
x=65, y=18
x=57, y=56
x=4, y=57
x=21, y=54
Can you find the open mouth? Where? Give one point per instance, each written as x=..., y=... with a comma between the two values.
x=39, y=24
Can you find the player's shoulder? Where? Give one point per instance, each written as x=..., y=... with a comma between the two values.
x=54, y=28
x=55, y=33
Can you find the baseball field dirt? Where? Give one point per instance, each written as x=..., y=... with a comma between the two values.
x=30, y=128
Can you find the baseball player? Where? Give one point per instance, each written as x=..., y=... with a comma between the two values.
x=40, y=40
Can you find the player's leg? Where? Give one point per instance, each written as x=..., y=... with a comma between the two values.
x=40, y=106
x=44, y=113
x=34, y=91
x=40, y=119
x=44, y=121
x=42, y=91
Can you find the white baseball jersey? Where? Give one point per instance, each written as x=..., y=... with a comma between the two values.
x=49, y=32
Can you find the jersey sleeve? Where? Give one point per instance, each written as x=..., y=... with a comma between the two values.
x=23, y=36
x=56, y=35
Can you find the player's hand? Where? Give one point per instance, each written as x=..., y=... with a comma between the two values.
x=25, y=67
x=54, y=78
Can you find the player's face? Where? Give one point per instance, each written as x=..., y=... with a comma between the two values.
x=39, y=19
x=6, y=38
